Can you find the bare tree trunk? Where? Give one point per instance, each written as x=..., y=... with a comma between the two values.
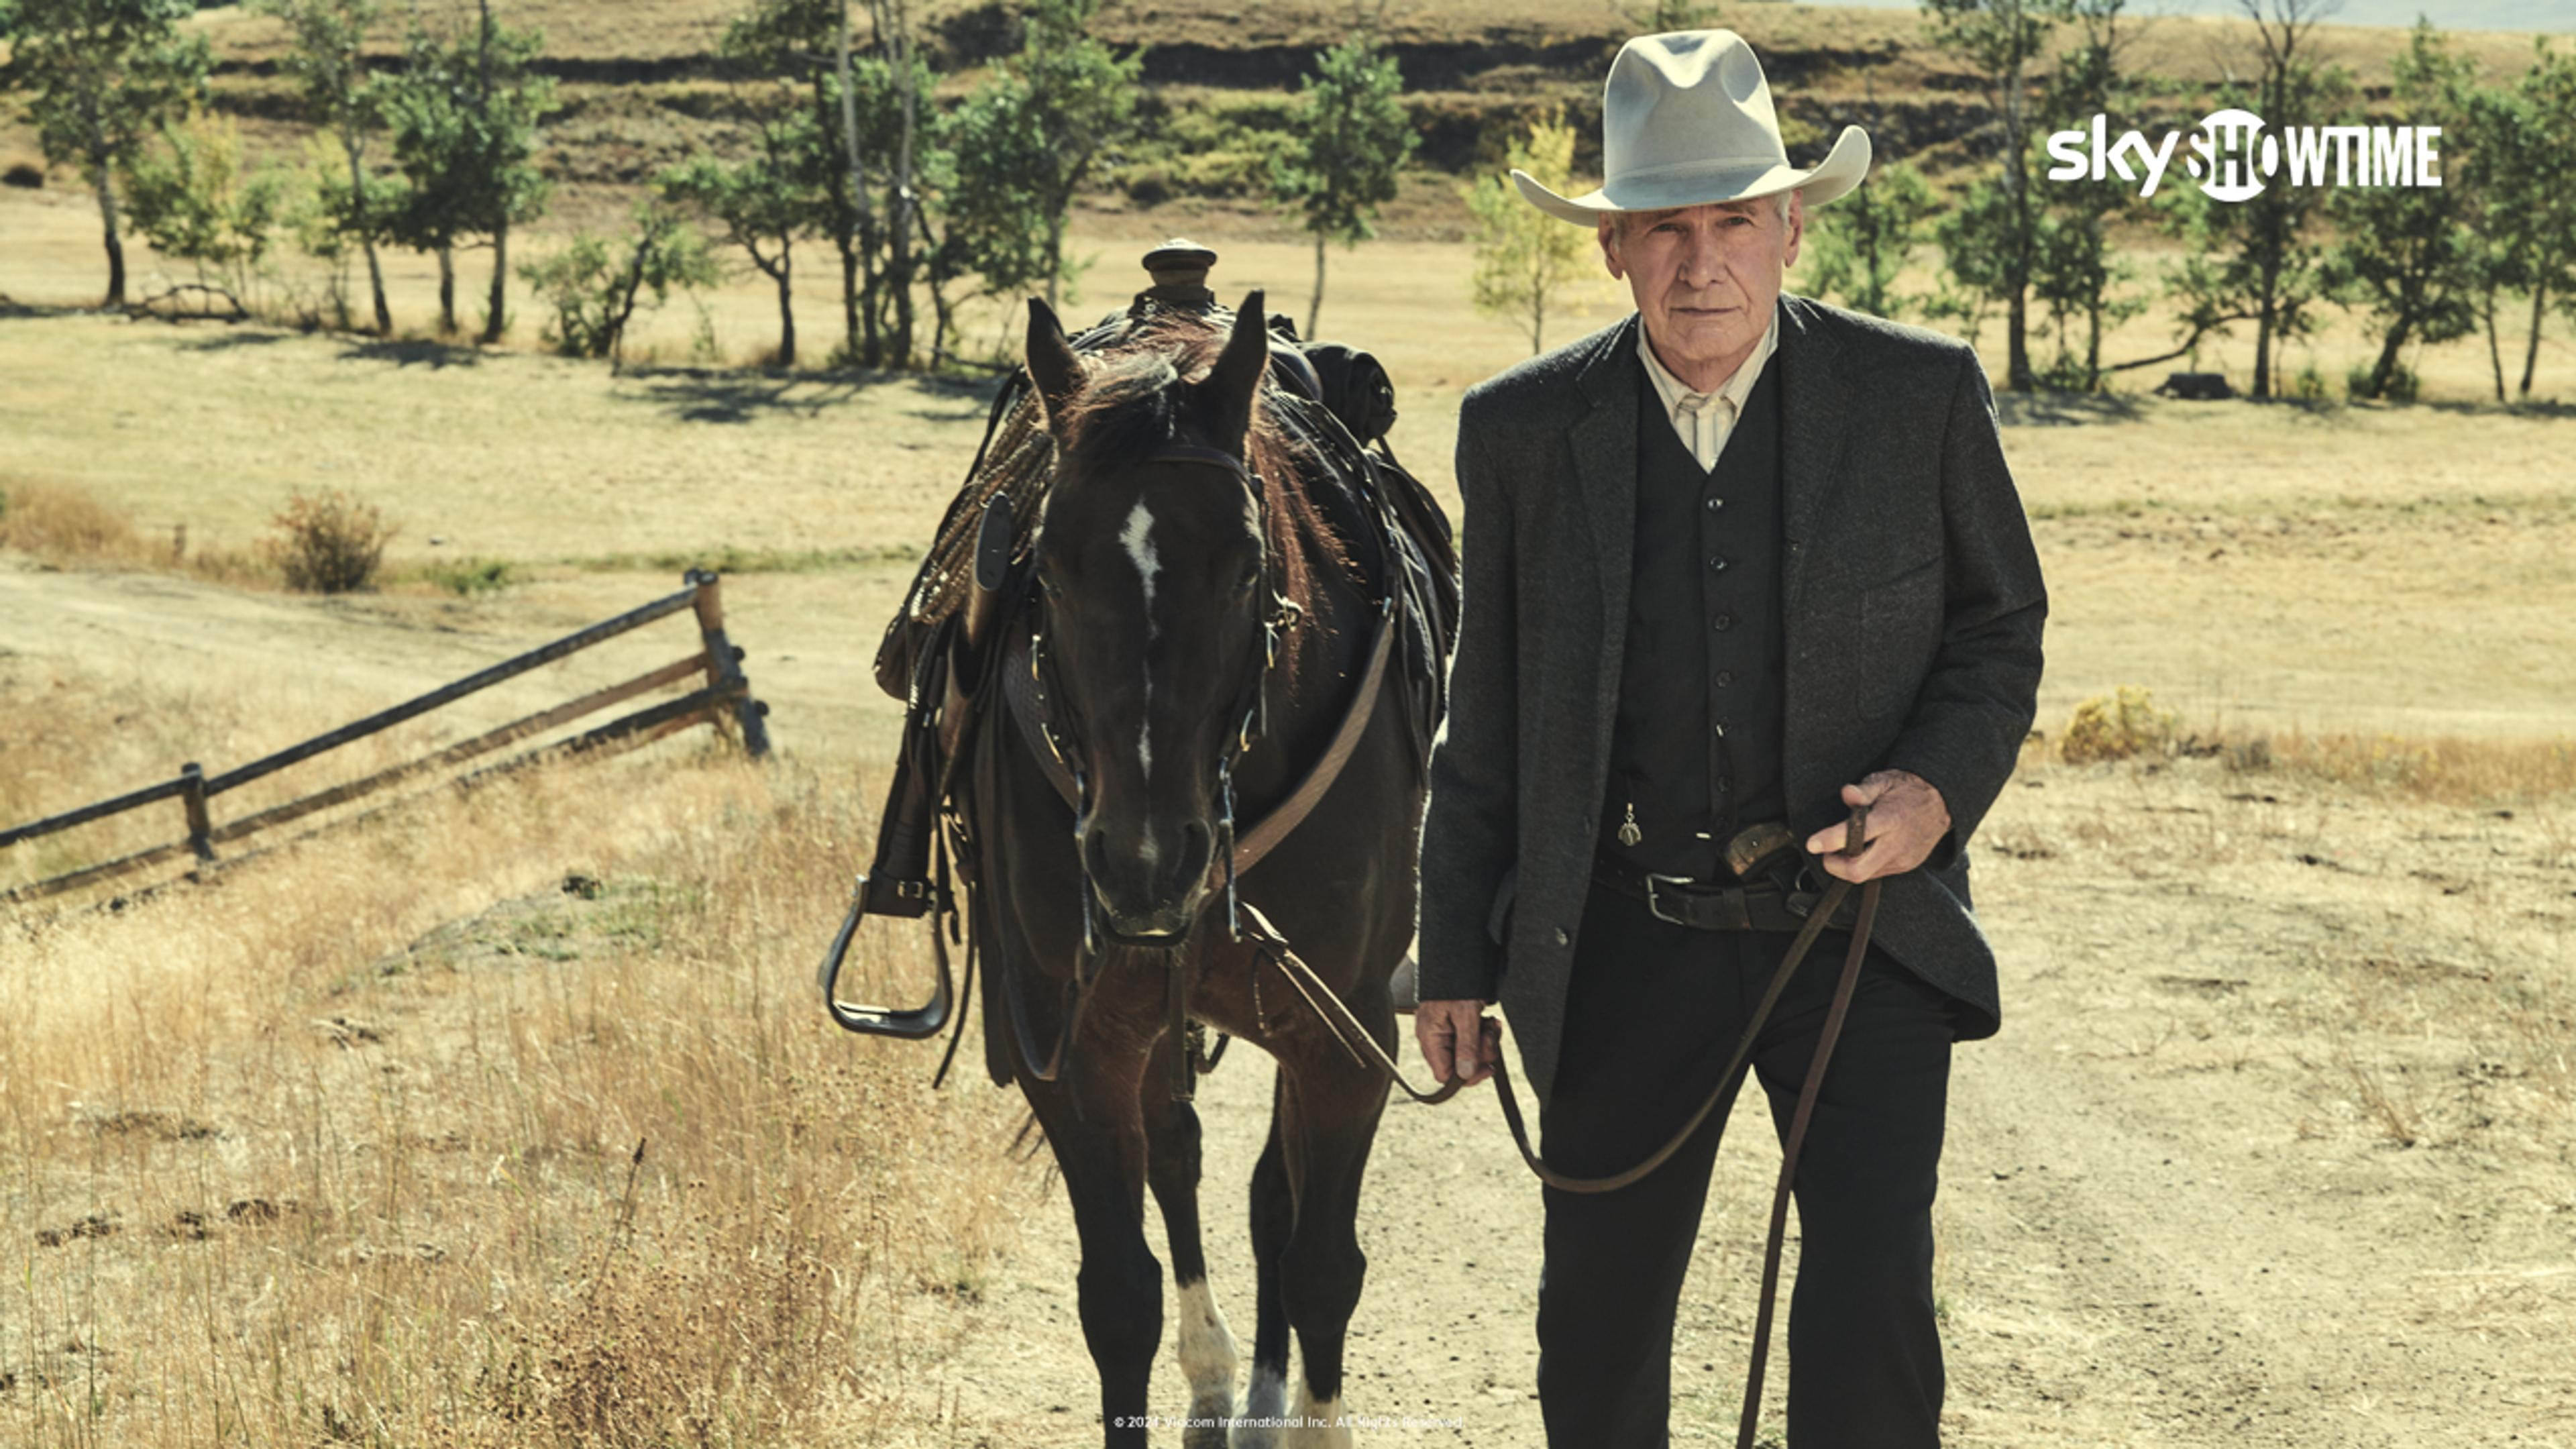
x=2386, y=367
x=366, y=232
x=1315, y=305
x=2495, y=353
x=376, y=283
x=2530, y=347
x=786, y=308
x=854, y=215
x=2265, y=313
x=899, y=226
x=2017, y=375
x=447, y=291
x=497, y=319
x=102, y=161
x=116, y=244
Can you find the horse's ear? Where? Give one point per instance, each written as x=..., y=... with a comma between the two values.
x=1052, y=363
x=1236, y=378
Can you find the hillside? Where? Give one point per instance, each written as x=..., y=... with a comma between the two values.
x=642, y=86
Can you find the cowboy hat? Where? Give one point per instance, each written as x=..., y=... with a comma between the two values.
x=1686, y=119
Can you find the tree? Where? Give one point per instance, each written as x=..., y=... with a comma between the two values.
x=595, y=286
x=2405, y=253
x=762, y=203
x=1081, y=96
x=101, y=76
x=340, y=98
x=2274, y=269
x=464, y=116
x=194, y=200
x=1526, y=258
x=2521, y=156
x=1859, y=247
x=2000, y=38
x=977, y=173
x=2074, y=271
x=1351, y=140
x=865, y=118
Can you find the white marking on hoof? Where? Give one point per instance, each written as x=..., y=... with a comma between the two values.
x=1324, y=1427
x=1208, y=1353
x=1268, y=1399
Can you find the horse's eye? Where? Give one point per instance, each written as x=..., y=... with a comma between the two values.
x=1251, y=575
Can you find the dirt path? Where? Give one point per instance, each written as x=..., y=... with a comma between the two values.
x=2170, y=1215
x=2278, y=1146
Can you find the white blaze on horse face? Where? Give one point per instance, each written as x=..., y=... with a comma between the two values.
x=1140, y=551
x=1208, y=1353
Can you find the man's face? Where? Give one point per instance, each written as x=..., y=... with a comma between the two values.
x=1705, y=277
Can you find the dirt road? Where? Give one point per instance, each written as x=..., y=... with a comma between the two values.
x=2172, y=1214
x=2277, y=1147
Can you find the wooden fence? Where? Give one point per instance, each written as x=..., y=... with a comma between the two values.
x=718, y=662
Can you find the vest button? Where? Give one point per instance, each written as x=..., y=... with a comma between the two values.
x=1725, y=677
x=1717, y=565
x=1715, y=504
x=1561, y=937
x=1723, y=621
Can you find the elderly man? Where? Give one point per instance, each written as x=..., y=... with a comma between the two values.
x=1742, y=560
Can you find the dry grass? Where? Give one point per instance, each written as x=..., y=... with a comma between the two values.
x=2449, y=770
x=302, y=1156
x=65, y=524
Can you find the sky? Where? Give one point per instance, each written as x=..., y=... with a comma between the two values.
x=2557, y=16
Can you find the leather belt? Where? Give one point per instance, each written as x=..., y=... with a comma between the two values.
x=1760, y=905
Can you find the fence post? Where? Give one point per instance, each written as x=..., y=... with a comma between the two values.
x=192, y=794
x=724, y=663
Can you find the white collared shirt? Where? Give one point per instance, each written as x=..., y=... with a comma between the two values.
x=1705, y=419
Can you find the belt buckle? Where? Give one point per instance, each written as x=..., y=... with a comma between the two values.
x=1653, y=906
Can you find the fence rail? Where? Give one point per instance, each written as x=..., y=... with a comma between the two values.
x=717, y=661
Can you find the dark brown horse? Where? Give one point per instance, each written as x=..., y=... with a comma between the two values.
x=1209, y=598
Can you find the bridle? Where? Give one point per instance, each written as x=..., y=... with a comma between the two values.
x=1250, y=707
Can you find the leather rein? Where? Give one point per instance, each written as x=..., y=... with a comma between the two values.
x=1365, y=1049
x=1239, y=852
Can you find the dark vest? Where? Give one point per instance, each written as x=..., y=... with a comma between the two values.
x=1702, y=682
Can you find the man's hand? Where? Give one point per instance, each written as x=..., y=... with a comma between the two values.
x=1458, y=1040
x=1907, y=819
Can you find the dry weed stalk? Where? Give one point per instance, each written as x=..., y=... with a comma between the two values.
x=432, y=1230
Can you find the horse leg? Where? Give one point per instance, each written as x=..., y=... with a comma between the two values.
x=1336, y=1105
x=1274, y=1213
x=1207, y=1348
x=1092, y=1120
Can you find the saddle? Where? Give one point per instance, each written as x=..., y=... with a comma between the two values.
x=1339, y=403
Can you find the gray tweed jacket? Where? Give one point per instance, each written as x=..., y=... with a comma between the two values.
x=1912, y=602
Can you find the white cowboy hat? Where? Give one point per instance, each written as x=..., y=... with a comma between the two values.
x=1686, y=119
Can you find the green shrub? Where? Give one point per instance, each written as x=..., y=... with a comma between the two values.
x=2117, y=726
x=2403, y=384
x=469, y=578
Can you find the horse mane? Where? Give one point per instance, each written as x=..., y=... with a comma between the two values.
x=1131, y=404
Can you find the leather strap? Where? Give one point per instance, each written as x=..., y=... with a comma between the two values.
x=1759, y=906
x=1251, y=845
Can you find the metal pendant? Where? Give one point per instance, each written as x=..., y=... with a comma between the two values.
x=1629, y=834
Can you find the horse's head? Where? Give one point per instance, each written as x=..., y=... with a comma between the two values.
x=1157, y=588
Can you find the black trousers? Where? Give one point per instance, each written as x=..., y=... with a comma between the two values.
x=1653, y=1011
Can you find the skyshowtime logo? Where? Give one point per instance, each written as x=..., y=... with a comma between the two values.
x=2234, y=160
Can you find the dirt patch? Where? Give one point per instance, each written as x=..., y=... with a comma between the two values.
x=2172, y=1213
